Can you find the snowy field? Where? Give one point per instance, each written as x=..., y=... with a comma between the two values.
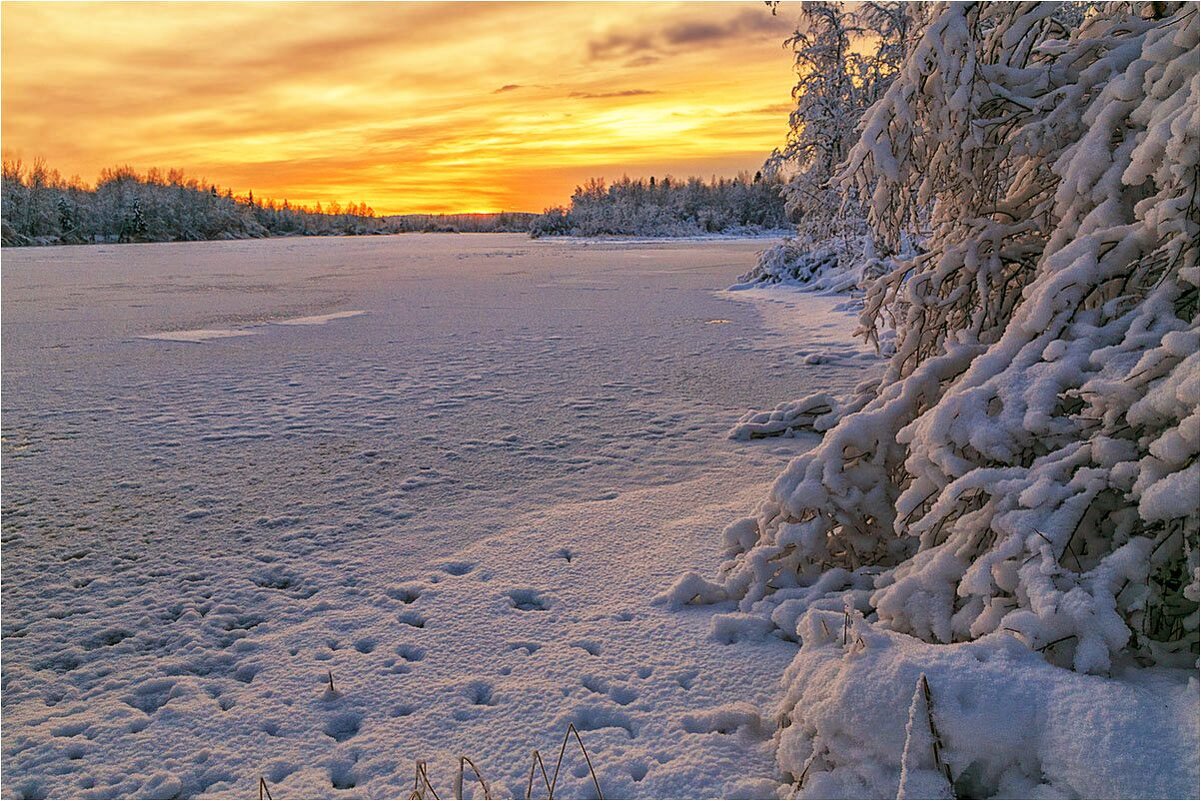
x=449, y=471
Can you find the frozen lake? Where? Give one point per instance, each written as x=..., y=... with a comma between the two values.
x=449, y=470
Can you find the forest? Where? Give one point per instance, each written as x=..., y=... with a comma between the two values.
x=669, y=207
x=39, y=207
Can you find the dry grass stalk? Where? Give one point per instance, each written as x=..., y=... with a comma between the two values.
x=422, y=784
x=421, y=776
x=935, y=737
x=463, y=761
x=553, y=782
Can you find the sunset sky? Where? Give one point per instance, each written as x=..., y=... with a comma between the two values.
x=410, y=107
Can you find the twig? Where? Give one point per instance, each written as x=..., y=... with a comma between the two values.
x=264, y=791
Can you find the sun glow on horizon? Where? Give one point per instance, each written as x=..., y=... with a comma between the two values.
x=411, y=107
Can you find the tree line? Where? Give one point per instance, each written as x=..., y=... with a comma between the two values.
x=39, y=207
x=668, y=207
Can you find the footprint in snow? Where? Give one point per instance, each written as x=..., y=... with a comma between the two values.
x=410, y=653
x=406, y=594
x=686, y=678
x=623, y=695
x=480, y=693
x=592, y=647
x=341, y=776
x=413, y=619
x=343, y=726
x=528, y=600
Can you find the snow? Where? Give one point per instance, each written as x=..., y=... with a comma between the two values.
x=457, y=505
x=1012, y=724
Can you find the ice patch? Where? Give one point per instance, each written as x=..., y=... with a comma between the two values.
x=319, y=319
x=198, y=335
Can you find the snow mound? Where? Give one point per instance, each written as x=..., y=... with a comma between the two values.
x=1006, y=723
x=835, y=266
x=690, y=588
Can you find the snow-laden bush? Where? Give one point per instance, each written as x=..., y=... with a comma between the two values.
x=818, y=412
x=1029, y=464
x=835, y=265
x=794, y=261
x=1019, y=493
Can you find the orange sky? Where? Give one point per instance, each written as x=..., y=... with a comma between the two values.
x=409, y=106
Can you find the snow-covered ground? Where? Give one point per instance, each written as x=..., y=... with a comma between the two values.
x=451, y=472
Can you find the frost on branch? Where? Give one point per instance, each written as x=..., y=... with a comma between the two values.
x=1028, y=466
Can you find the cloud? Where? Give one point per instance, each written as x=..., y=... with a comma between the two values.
x=694, y=32
x=616, y=93
x=775, y=109
x=642, y=61
x=508, y=87
x=616, y=44
x=749, y=23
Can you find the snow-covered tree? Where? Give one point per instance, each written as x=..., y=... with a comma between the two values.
x=634, y=207
x=846, y=56
x=38, y=207
x=1028, y=464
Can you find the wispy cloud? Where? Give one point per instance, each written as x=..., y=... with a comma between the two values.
x=615, y=93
